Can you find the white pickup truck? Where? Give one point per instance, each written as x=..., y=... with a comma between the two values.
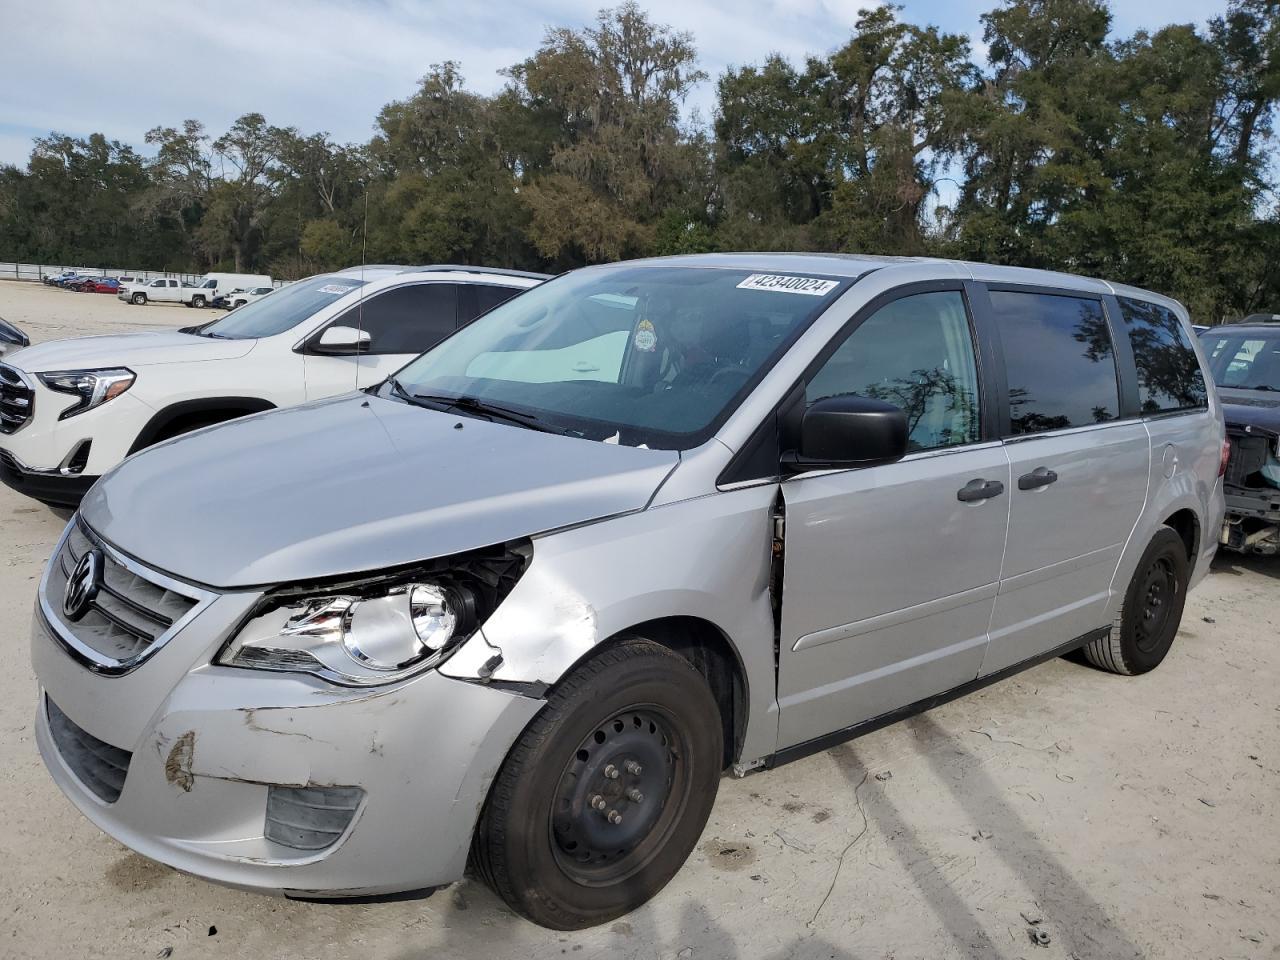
x=199, y=294
x=163, y=290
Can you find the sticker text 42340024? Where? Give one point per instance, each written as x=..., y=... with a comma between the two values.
x=777, y=283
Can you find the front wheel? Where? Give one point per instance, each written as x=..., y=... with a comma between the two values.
x=139, y=298
x=197, y=301
x=605, y=794
x=1152, y=610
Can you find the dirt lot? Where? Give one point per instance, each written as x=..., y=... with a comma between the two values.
x=1129, y=817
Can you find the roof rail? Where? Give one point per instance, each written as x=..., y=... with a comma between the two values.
x=1259, y=318
x=501, y=271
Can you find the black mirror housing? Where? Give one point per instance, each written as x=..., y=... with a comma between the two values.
x=849, y=431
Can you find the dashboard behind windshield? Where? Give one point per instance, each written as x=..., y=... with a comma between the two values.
x=639, y=355
x=283, y=310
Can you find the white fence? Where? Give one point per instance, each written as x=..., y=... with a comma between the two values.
x=36, y=271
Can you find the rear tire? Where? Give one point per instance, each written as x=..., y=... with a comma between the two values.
x=139, y=298
x=605, y=794
x=1151, y=613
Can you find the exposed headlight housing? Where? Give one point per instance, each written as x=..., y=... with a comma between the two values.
x=92, y=388
x=353, y=639
x=377, y=630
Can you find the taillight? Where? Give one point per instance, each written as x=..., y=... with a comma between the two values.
x=1226, y=455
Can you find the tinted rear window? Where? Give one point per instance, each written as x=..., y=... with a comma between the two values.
x=1059, y=361
x=1169, y=375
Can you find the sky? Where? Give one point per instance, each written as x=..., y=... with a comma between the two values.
x=332, y=64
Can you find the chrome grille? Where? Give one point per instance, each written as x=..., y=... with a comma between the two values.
x=98, y=765
x=17, y=401
x=131, y=613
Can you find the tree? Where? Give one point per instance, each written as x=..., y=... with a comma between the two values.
x=609, y=97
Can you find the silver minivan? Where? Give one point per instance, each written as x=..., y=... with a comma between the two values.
x=522, y=604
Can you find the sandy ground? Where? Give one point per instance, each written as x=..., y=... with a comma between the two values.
x=1130, y=817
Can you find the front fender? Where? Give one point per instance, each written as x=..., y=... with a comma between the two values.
x=707, y=558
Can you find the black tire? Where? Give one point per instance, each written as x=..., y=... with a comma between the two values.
x=542, y=844
x=139, y=298
x=1151, y=613
x=198, y=301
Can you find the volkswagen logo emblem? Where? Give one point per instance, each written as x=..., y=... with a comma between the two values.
x=82, y=585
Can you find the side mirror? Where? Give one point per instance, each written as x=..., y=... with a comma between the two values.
x=342, y=341
x=848, y=431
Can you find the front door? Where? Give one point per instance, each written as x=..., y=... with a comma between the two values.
x=1079, y=473
x=401, y=323
x=890, y=572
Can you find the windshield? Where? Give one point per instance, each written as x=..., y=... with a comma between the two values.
x=1247, y=361
x=283, y=310
x=652, y=355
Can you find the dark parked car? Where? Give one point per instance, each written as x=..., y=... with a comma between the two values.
x=1245, y=361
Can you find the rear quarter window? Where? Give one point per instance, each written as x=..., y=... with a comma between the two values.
x=1169, y=374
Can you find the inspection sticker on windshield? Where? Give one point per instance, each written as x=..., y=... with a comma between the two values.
x=338, y=288
x=809, y=286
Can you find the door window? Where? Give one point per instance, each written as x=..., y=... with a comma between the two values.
x=1169, y=375
x=1059, y=361
x=475, y=299
x=916, y=353
x=407, y=319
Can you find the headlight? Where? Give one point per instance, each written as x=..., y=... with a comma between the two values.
x=91, y=387
x=362, y=637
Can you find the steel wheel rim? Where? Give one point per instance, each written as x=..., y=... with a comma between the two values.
x=1156, y=599
x=636, y=749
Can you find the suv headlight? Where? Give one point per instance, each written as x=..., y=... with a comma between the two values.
x=92, y=388
x=363, y=636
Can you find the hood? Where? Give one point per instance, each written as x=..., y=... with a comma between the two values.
x=125, y=350
x=1250, y=408
x=354, y=484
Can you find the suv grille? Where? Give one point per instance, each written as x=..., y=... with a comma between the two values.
x=99, y=766
x=16, y=400
x=130, y=613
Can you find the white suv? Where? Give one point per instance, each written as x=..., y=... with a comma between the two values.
x=72, y=409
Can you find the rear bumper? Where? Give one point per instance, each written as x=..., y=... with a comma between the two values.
x=48, y=486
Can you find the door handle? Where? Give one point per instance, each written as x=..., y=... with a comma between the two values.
x=1039, y=477
x=976, y=490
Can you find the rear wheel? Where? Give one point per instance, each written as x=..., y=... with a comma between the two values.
x=1152, y=611
x=605, y=794
x=139, y=298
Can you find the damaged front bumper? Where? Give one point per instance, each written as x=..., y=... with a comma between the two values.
x=279, y=783
x=1252, y=522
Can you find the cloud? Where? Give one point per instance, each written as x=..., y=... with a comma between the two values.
x=332, y=64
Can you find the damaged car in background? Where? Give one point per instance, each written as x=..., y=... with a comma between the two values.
x=522, y=603
x=1244, y=359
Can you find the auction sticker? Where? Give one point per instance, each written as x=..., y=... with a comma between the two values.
x=809, y=286
x=646, y=338
x=338, y=288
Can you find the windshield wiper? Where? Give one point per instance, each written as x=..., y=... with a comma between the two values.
x=1261, y=386
x=483, y=408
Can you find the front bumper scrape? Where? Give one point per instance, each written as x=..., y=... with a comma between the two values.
x=195, y=795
